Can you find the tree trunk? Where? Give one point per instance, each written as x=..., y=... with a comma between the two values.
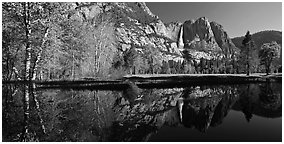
x=267, y=69
x=248, y=60
x=49, y=72
x=38, y=58
x=73, y=67
x=40, y=75
x=35, y=67
x=248, y=68
x=28, y=46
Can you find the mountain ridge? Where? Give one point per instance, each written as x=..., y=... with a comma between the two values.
x=261, y=37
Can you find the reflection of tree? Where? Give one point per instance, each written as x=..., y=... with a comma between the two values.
x=25, y=136
x=269, y=98
x=12, y=112
x=260, y=99
x=21, y=116
x=33, y=128
x=246, y=103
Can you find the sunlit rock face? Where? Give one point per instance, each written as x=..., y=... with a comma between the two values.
x=122, y=30
x=173, y=30
x=205, y=39
x=131, y=29
x=223, y=40
x=147, y=30
x=197, y=30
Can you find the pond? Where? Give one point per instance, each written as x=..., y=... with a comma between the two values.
x=234, y=113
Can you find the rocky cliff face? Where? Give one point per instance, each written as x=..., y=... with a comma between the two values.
x=173, y=30
x=197, y=30
x=139, y=40
x=223, y=40
x=206, y=39
x=144, y=43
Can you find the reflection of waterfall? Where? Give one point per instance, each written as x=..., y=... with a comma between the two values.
x=180, y=106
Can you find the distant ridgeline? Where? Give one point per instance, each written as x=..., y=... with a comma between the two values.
x=72, y=41
x=261, y=38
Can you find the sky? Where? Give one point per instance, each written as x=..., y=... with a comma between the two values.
x=236, y=17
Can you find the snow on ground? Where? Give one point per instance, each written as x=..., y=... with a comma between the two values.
x=197, y=75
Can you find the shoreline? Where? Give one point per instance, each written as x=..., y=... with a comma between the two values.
x=155, y=81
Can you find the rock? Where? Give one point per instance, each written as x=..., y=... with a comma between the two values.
x=173, y=30
x=223, y=40
x=159, y=28
x=146, y=9
x=195, y=31
x=125, y=47
x=206, y=38
x=134, y=25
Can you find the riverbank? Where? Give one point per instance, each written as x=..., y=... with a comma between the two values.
x=215, y=78
x=157, y=81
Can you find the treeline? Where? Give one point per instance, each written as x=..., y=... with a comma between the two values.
x=259, y=40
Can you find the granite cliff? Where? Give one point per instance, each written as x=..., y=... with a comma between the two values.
x=209, y=39
x=137, y=30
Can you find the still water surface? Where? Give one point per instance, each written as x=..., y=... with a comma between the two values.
x=248, y=112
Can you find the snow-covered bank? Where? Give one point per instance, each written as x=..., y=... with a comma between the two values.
x=212, y=78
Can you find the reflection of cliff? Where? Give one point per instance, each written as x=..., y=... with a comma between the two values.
x=228, y=100
x=151, y=110
x=208, y=109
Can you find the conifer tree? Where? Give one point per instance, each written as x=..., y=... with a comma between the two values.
x=248, y=47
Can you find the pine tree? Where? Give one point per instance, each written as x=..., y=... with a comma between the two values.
x=248, y=47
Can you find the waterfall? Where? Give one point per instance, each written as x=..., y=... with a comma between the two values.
x=180, y=39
